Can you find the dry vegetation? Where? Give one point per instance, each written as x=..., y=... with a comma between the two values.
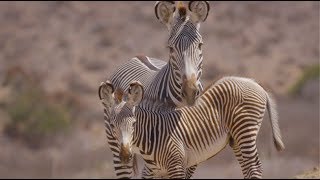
x=311, y=174
x=53, y=56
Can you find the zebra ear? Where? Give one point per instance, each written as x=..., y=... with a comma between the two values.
x=135, y=93
x=164, y=11
x=200, y=10
x=106, y=93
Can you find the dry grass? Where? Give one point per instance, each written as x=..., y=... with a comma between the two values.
x=311, y=174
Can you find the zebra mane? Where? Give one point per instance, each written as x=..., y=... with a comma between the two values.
x=146, y=61
x=216, y=82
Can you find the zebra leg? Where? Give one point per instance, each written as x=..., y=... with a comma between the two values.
x=251, y=165
x=190, y=171
x=248, y=158
x=151, y=171
x=147, y=173
x=175, y=167
x=245, y=148
x=236, y=150
x=122, y=171
x=177, y=172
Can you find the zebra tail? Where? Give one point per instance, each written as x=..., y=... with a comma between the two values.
x=135, y=165
x=273, y=116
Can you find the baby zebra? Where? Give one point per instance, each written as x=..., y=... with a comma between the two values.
x=229, y=111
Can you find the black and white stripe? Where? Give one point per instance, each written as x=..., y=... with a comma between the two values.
x=184, y=40
x=229, y=111
x=163, y=83
x=143, y=70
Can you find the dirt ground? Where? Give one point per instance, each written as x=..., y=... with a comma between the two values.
x=73, y=46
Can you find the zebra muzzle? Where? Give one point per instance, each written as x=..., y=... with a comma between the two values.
x=190, y=91
x=125, y=154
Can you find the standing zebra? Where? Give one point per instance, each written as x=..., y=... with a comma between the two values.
x=176, y=83
x=229, y=111
x=141, y=68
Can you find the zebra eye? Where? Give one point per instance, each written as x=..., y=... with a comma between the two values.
x=171, y=49
x=200, y=45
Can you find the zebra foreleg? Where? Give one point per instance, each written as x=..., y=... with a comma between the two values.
x=177, y=172
x=147, y=173
x=176, y=168
x=121, y=171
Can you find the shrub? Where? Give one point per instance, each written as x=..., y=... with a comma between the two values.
x=34, y=117
x=309, y=73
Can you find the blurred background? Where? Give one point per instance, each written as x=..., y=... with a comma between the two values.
x=53, y=56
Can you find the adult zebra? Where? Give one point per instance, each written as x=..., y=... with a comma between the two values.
x=176, y=83
x=229, y=111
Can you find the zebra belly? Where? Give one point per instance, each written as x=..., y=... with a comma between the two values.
x=194, y=156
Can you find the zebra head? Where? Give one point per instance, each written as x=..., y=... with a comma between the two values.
x=185, y=47
x=120, y=120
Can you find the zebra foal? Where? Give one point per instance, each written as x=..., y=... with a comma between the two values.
x=229, y=111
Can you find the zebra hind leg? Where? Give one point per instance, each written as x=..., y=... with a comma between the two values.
x=236, y=150
x=190, y=171
x=245, y=149
x=248, y=158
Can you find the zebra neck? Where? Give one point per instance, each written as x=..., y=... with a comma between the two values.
x=160, y=91
x=174, y=88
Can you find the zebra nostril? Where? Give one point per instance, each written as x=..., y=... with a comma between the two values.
x=197, y=93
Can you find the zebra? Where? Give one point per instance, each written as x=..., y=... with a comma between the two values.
x=163, y=82
x=142, y=68
x=178, y=84
x=229, y=111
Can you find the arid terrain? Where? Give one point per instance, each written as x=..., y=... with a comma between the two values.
x=61, y=51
